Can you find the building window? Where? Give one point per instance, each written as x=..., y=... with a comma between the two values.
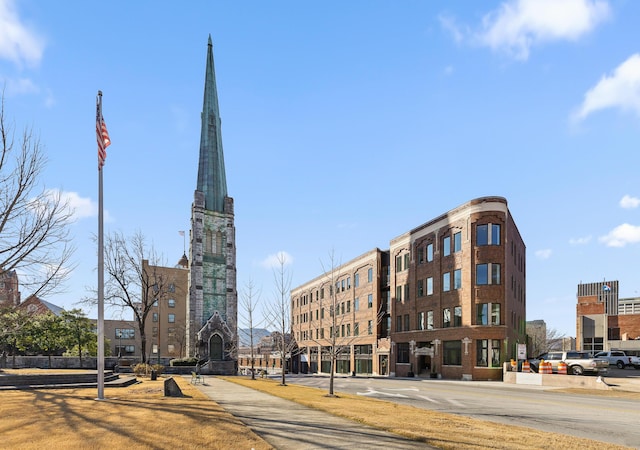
x=457, y=316
x=402, y=353
x=348, y=329
x=484, y=270
x=399, y=293
x=457, y=278
x=356, y=304
x=172, y=318
x=446, y=318
x=370, y=275
x=348, y=306
x=125, y=333
x=370, y=301
x=446, y=246
x=488, y=353
x=348, y=282
x=420, y=251
x=446, y=282
x=421, y=323
x=356, y=329
x=172, y=303
x=356, y=280
x=429, y=252
x=342, y=284
x=430, y=286
x=495, y=313
x=370, y=327
x=154, y=349
x=155, y=317
x=171, y=349
x=406, y=293
x=406, y=261
x=399, y=324
x=407, y=323
x=420, y=289
x=488, y=234
x=430, y=320
x=122, y=349
x=457, y=242
x=483, y=310
x=452, y=353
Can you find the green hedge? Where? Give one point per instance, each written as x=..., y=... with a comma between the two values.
x=183, y=362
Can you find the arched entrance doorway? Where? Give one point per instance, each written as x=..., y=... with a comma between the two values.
x=215, y=348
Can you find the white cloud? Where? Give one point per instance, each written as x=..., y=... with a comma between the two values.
x=450, y=25
x=520, y=24
x=20, y=86
x=580, y=241
x=622, y=235
x=629, y=202
x=18, y=43
x=619, y=90
x=448, y=70
x=81, y=207
x=273, y=261
x=543, y=254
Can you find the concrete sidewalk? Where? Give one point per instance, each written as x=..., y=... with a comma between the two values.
x=288, y=425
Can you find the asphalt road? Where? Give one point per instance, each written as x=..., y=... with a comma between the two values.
x=599, y=417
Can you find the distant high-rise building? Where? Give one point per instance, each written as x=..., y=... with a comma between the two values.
x=213, y=299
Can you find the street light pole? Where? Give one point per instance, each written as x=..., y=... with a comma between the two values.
x=159, y=321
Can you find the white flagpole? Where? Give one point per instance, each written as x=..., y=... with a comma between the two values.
x=100, y=271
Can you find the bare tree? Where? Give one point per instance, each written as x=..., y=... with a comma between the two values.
x=338, y=306
x=249, y=300
x=544, y=340
x=134, y=281
x=554, y=339
x=34, y=221
x=279, y=315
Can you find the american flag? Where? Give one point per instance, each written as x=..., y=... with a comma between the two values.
x=102, y=136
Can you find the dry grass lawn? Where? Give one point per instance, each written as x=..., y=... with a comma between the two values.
x=440, y=430
x=134, y=417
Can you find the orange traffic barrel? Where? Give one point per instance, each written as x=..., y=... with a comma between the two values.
x=545, y=367
x=525, y=366
x=514, y=365
x=562, y=368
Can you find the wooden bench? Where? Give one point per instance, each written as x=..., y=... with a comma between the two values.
x=196, y=378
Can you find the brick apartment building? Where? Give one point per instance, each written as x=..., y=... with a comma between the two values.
x=448, y=297
x=166, y=325
x=9, y=288
x=351, y=302
x=606, y=322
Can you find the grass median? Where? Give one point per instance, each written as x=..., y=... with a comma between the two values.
x=446, y=431
x=138, y=417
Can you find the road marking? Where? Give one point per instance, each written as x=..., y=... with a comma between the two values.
x=455, y=402
x=429, y=399
x=385, y=394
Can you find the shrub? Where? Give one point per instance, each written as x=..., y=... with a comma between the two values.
x=183, y=362
x=144, y=370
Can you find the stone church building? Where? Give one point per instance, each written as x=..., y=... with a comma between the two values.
x=212, y=303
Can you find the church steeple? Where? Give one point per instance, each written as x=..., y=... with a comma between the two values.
x=212, y=181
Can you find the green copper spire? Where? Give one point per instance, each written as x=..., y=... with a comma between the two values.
x=212, y=180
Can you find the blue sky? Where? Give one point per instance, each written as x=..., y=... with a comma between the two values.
x=344, y=125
